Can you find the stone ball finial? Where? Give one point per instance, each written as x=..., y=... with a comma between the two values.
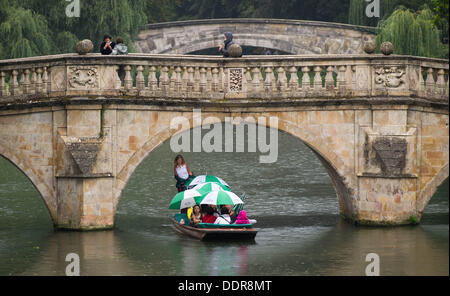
x=84, y=46
x=387, y=48
x=369, y=47
x=235, y=50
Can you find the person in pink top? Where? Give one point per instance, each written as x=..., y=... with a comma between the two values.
x=242, y=218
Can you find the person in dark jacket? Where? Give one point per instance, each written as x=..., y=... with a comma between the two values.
x=107, y=46
x=223, y=48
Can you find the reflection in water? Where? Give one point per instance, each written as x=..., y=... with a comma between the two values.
x=300, y=232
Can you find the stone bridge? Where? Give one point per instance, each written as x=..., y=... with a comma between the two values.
x=78, y=126
x=291, y=36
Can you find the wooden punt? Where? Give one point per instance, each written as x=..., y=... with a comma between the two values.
x=222, y=232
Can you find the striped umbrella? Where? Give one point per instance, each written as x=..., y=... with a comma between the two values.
x=221, y=198
x=204, y=179
x=185, y=199
x=205, y=188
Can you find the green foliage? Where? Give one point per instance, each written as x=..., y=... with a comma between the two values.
x=36, y=27
x=413, y=219
x=26, y=34
x=66, y=42
x=411, y=33
x=356, y=14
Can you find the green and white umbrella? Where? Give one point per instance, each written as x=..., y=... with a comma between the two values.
x=205, y=188
x=221, y=198
x=186, y=199
x=206, y=178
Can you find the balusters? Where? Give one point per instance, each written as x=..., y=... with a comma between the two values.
x=269, y=81
x=172, y=79
x=45, y=81
x=421, y=81
x=306, y=81
x=215, y=80
x=429, y=83
x=341, y=79
x=317, y=78
x=13, y=84
x=190, y=82
x=26, y=81
x=282, y=80
x=128, y=81
x=152, y=81
x=441, y=82
x=39, y=84
x=164, y=79
x=293, y=81
x=446, y=85
x=221, y=79
x=140, y=82
x=329, y=81
x=184, y=79
x=244, y=80
x=202, y=82
x=256, y=84
x=178, y=80
x=208, y=79
x=196, y=79
x=248, y=79
x=2, y=84
x=33, y=81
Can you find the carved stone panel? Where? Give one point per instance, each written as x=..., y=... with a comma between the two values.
x=390, y=154
x=83, y=77
x=387, y=155
x=390, y=76
x=84, y=156
x=235, y=79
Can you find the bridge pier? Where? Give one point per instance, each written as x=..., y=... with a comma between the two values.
x=84, y=170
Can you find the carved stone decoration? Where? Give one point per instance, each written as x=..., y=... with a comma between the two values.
x=390, y=154
x=369, y=47
x=389, y=76
x=235, y=79
x=83, y=77
x=84, y=154
x=387, y=48
x=84, y=46
x=235, y=50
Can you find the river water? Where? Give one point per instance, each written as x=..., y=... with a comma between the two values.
x=300, y=231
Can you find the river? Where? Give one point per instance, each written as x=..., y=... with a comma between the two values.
x=300, y=231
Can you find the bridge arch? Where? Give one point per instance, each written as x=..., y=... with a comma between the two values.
x=430, y=189
x=23, y=165
x=292, y=36
x=332, y=163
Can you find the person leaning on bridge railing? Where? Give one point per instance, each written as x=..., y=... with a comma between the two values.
x=107, y=46
x=223, y=48
x=120, y=48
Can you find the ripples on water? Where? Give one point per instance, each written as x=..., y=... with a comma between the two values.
x=292, y=199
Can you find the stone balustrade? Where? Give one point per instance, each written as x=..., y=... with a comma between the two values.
x=215, y=78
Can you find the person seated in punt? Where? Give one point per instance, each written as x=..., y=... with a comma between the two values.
x=215, y=211
x=208, y=215
x=230, y=212
x=224, y=217
x=196, y=216
x=242, y=218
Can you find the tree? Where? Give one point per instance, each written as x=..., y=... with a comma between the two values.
x=26, y=33
x=411, y=33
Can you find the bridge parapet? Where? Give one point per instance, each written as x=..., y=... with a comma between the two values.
x=340, y=77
